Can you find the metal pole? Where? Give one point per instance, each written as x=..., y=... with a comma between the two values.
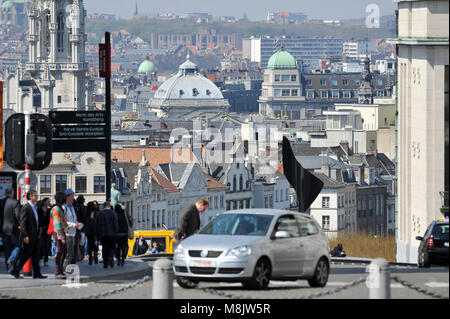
x=27, y=171
x=108, y=124
x=162, y=279
x=27, y=269
x=380, y=285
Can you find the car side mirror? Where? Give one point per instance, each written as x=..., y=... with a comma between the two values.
x=419, y=238
x=282, y=234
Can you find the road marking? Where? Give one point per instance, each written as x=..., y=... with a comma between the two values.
x=434, y=284
x=397, y=285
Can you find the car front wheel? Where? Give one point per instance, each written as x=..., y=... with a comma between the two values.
x=186, y=283
x=261, y=275
x=321, y=272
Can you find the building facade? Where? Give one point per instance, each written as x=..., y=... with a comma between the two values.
x=281, y=94
x=422, y=139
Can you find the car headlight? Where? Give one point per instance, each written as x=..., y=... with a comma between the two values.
x=180, y=250
x=241, y=251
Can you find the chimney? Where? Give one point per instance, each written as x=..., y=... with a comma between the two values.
x=361, y=175
x=203, y=155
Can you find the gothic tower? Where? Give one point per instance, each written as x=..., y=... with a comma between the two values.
x=57, y=53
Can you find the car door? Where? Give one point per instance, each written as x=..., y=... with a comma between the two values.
x=311, y=241
x=287, y=252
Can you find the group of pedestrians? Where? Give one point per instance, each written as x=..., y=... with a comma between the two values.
x=68, y=227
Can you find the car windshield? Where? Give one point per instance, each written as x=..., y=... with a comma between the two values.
x=238, y=224
x=441, y=231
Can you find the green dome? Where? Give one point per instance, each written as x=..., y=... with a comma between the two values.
x=6, y=5
x=146, y=67
x=282, y=60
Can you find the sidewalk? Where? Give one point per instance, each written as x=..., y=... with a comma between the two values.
x=87, y=273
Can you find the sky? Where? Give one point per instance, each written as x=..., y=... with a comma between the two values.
x=255, y=9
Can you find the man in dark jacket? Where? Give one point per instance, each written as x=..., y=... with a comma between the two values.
x=190, y=219
x=10, y=228
x=122, y=235
x=106, y=229
x=29, y=235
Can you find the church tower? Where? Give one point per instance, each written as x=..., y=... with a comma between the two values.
x=57, y=53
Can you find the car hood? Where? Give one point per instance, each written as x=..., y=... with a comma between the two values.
x=218, y=242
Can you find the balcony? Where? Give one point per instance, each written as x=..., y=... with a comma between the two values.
x=444, y=202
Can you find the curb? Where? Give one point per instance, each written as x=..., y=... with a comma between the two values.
x=138, y=272
x=358, y=260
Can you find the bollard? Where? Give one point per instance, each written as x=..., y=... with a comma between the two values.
x=380, y=283
x=162, y=279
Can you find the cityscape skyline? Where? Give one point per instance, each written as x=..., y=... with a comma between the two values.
x=328, y=9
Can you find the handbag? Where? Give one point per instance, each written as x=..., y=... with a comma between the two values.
x=130, y=230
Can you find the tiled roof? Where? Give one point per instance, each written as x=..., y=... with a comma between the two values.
x=155, y=155
x=328, y=182
x=212, y=183
x=162, y=181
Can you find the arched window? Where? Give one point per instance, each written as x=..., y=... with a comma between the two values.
x=234, y=183
x=241, y=183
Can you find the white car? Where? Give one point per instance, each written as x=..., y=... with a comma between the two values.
x=253, y=246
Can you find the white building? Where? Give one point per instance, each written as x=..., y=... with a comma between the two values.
x=423, y=73
x=188, y=94
x=350, y=50
x=335, y=207
x=281, y=94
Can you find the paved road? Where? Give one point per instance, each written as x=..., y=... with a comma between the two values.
x=435, y=280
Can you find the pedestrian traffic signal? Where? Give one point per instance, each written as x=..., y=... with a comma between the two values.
x=39, y=146
x=15, y=141
x=38, y=141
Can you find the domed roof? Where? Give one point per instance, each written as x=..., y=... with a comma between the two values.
x=6, y=5
x=188, y=83
x=282, y=60
x=146, y=66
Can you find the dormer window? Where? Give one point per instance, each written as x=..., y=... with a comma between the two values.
x=181, y=92
x=195, y=92
x=208, y=92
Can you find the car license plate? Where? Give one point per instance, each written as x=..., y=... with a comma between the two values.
x=202, y=263
x=446, y=244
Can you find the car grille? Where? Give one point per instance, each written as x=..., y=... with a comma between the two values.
x=202, y=270
x=211, y=253
x=181, y=269
x=230, y=270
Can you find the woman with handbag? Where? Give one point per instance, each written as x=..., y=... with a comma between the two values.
x=122, y=235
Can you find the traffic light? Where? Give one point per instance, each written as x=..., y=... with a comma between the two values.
x=15, y=141
x=39, y=146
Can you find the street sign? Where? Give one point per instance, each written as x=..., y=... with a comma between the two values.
x=104, y=63
x=21, y=180
x=79, y=145
x=77, y=117
x=79, y=131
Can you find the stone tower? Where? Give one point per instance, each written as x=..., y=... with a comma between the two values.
x=365, y=93
x=57, y=53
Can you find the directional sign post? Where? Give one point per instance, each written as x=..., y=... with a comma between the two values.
x=79, y=131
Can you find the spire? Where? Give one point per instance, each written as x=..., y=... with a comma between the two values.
x=136, y=11
x=144, y=161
